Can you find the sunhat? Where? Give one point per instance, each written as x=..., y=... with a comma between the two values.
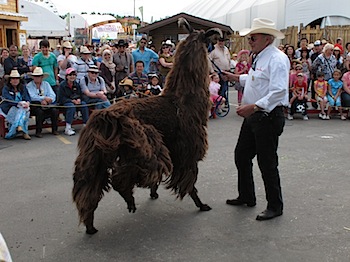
x=244, y=51
x=153, y=75
x=168, y=43
x=38, y=71
x=121, y=42
x=84, y=50
x=126, y=82
x=67, y=44
x=13, y=74
x=262, y=26
x=93, y=68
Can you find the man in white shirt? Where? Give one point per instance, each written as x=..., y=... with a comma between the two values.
x=264, y=99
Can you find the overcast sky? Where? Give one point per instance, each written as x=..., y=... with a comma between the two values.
x=156, y=8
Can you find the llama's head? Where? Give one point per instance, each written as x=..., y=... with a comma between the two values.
x=191, y=64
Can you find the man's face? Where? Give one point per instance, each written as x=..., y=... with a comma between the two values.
x=45, y=50
x=37, y=79
x=121, y=49
x=143, y=43
x=258, y=42
x=139, y=68
x=221, y=43
x=13, y=51
x=303, y=43
x=92, y=75
x=85, y=56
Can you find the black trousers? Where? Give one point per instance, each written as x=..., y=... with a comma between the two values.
x=41, y=114
x=259, y=137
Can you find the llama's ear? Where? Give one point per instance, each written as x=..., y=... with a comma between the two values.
x=213, y=31
x=182, y=22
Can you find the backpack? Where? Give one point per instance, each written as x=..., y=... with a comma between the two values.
x=87, y=80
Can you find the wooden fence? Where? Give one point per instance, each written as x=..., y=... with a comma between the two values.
x=292, y=33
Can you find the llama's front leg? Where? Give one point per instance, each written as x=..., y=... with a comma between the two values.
x=198, y=202
x=154, y=194
x=128, y=197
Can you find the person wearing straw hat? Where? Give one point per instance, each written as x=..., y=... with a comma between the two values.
x=264, y=99
x=83, y=63
x=65, y=60
x=16, y=106
x=42, y=97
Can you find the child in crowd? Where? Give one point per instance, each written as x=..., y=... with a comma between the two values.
x=214, y=88
x=335, y=86
x=321, y=87
x=153, y=88
x=242, y=67
x=127, y=88
x=299, y=90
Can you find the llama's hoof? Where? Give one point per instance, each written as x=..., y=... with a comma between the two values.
x=154, y=196
x=131, y=208
x=205, y=207
x=91, y=231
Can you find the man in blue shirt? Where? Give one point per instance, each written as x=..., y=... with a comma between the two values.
x=145, y=55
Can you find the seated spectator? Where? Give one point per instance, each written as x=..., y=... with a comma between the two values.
x=214, y=89
x=107, y=72
x=16, y=110
x=153, y=88
x=94, y=89
x=299, y=97
x=345, y=95
x=335, y=86
x=43, y=97
x=127, y=88
x=338, y=57
x=293, y=75
x=72, y=97
x=139, y=78
x=321, y=88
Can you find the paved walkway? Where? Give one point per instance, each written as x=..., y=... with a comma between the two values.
x=40, y=223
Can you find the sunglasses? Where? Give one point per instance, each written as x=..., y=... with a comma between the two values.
x=252, y=38
x=72, y=74
x=165, y=47
x=94, y=73
x=143, y=42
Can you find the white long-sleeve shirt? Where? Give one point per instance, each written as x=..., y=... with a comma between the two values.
x=267, y=85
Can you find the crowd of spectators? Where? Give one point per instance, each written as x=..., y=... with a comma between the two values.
x=95, y=76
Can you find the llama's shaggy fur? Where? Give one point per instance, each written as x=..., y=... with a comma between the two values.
x=141, y=141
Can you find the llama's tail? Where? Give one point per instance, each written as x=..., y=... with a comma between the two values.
x=111, y=137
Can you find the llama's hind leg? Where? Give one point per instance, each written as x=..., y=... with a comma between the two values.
x=89, y=223
x=154, y=194
x=198, y=202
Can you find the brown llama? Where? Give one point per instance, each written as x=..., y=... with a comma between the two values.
x=138, y=141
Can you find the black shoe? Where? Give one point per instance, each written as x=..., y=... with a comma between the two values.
x=39, y=135
x=239, y=202
x=268, y=214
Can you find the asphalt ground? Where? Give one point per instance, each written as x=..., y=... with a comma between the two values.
x=40, y=223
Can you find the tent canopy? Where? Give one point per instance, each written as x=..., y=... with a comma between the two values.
x=238, y=14
x=41, y=21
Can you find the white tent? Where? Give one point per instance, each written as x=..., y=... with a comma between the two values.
x=238, y=14
x=41, y=21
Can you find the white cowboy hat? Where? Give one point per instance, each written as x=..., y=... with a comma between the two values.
x=38, y=71
x=262, y=26
x=13, y=74
x=168, y=43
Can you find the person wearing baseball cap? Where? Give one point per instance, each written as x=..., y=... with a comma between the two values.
x=71, y=97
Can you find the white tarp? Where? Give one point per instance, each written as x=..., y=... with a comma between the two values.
x=107, y=31
x=238, y=14
x=41, y=21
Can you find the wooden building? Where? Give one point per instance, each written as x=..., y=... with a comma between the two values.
x=10, y=21
x=168, y=28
